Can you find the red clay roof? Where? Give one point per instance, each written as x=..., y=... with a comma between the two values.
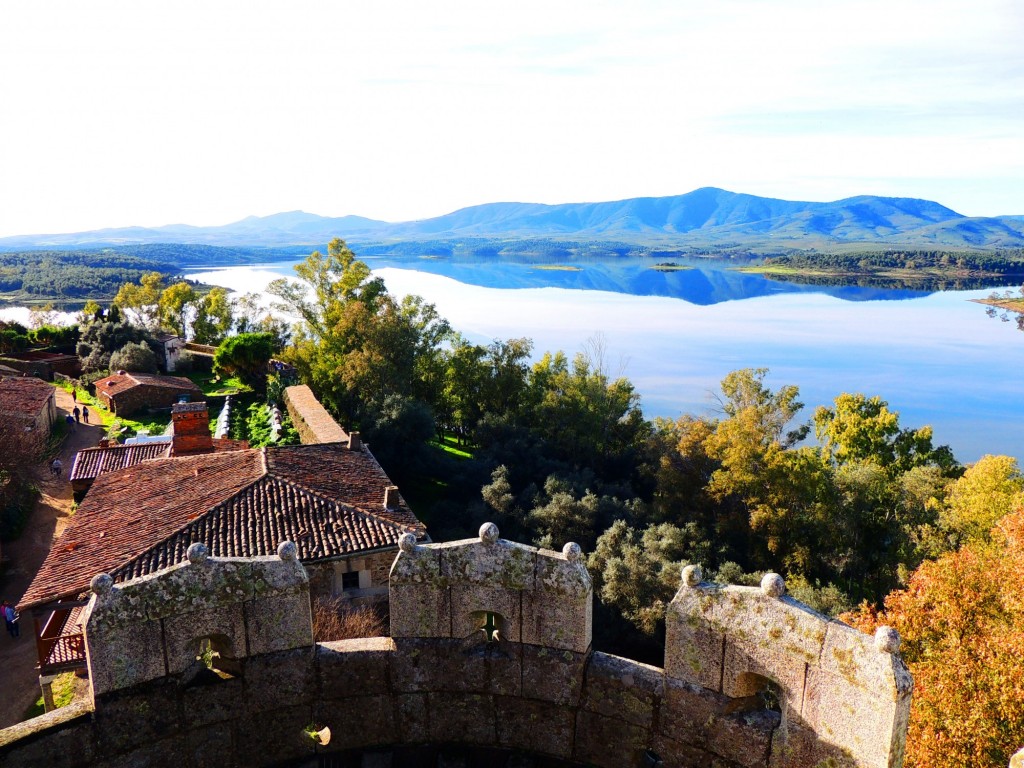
x=23, y=396
x=325, y=498
x=90, y=463
x=120, y=382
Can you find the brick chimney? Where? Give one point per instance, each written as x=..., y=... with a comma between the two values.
x=191, y=429
x=391, y=497
x=355, y=443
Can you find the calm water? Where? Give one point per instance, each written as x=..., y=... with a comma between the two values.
x=937, y=358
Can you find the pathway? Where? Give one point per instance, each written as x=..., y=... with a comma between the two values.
x=19, y=681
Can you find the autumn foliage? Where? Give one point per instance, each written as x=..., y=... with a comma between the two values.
x=961, y=618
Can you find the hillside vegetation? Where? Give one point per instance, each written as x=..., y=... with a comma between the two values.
x=701, y=218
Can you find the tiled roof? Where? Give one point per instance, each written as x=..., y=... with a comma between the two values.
x=23, y=396
x=325, y=498
x=119, y=382
x=90, y=463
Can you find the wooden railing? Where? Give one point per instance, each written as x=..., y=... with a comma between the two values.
x=60, y=644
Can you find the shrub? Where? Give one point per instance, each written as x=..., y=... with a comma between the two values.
x=334, y=618
x=134, y=356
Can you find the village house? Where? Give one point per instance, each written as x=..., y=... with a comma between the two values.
x=141, y=514
x=28, y=403
x=189, y=434
x=42, y=364
x=126, y=393
x=169, y=349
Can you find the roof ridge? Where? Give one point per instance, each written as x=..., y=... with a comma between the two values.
x=341, y=505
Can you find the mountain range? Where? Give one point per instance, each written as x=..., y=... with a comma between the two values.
x=706, y=217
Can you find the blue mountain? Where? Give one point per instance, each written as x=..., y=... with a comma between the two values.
x=705, y=217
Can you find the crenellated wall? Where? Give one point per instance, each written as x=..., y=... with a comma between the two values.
x=212, y=663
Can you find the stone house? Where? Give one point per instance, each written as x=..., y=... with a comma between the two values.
x=28, y=403
x=141, y=514
x=169, y=349
x=44, y=364
x=127, y=393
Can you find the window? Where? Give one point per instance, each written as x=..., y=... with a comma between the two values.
x=350, y=580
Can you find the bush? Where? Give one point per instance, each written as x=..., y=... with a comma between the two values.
x=186, y=364
x=334, y=618
x=134, y=356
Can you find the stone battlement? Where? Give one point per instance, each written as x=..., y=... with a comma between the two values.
x=212, y=662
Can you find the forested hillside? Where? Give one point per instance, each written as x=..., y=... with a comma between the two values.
x=74, y=275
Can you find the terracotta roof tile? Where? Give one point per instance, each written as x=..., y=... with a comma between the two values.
x=134, y=521
x=134, y=509
x=90, y=463
x=23, y=396
x=119, y=382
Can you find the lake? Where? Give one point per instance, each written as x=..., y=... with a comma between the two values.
x=936, y=357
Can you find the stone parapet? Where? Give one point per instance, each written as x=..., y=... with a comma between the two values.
x=310, y=419
x=529, y=595
x=212, y=663
x=843, y=695
x=160, y=625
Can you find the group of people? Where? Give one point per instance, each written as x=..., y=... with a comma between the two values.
x=77, y=416
x=10, y=619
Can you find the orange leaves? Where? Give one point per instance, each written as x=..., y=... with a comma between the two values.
x=962, y=622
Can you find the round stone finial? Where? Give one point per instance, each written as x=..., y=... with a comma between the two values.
x=197, y=553
x=287, y=550
x=101, y=584
x=572, y=551
x=488, y=533
x=887, y=639
x=407, y=542
x=773, y=585
x=692, y=575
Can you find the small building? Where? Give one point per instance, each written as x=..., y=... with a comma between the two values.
x=127, y=393
x=43, y=364
x=29, y=403
x=169, y=349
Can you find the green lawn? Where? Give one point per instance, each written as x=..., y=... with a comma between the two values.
x=451, y=447
x=154, y=423
x=63, y=693
x=213, y=386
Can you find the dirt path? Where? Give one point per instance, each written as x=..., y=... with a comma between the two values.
x=19, y=681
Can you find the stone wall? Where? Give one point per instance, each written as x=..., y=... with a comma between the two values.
x=212, y=663
x=311, y=420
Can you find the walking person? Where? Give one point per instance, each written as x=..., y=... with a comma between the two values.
x=85, y=414
x=11, y=619
x=70, y=421
x=56, y=467
x=78, y=414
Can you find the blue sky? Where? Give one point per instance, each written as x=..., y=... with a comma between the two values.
x=122, y=113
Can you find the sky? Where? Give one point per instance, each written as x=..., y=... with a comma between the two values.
x=142, y=113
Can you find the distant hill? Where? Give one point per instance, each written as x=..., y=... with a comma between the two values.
x=706, y=217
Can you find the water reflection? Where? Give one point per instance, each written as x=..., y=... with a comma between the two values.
x=924, y=284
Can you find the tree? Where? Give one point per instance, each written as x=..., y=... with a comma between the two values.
x=246, y=356
x=214, y=318
x=989, y=489
x=175, y=305
x=587, y=419
x=860, y=429
x=356, y=345
x=100, y=338
x=638, y=572
x=134, y=356
x=960, y=619
x=91, y=311
x=142, y=300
